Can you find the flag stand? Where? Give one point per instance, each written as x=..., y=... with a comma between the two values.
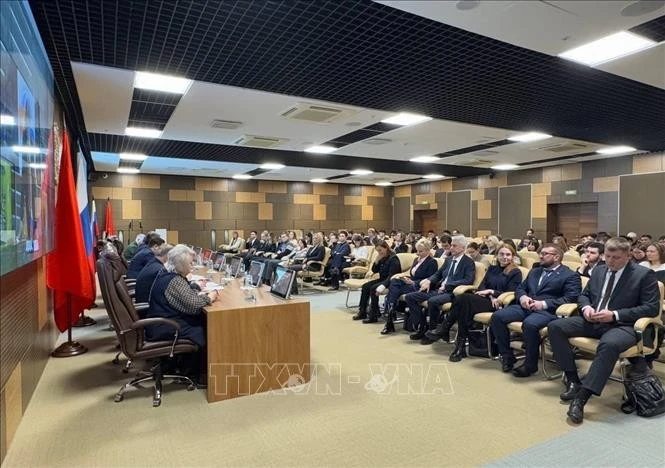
x=69, y=348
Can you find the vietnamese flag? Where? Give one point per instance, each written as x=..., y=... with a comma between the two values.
x=108, y=219
x=67, y=268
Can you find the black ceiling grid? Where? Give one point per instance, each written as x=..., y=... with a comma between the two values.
x=246, y=155
x=152, y=109
x=654, y=29
x=353, y=52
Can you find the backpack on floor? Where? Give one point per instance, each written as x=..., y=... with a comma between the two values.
x=645, y=395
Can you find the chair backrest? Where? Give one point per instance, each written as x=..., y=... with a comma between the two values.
x=322, y=266
x=406, y=261
x=372, y=259
x=528, y=262
x=481, y=269
x=440, y=261
x=661, y=288
x=525, y=272
x=517, y=241
x=489, y=259
x=572, y=265
x=585, y=280
x=571, y=256
x=524, y=254
x=131, y=340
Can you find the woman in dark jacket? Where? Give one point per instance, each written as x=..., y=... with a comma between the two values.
x=500, y=278
x=386, y=266
x=423, y=267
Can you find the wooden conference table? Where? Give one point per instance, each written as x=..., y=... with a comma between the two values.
x=256, y=346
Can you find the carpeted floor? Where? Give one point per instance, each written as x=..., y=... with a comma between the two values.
x=375, y=401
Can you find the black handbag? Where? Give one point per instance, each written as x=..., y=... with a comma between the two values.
x=645, y=395
x=478, y=345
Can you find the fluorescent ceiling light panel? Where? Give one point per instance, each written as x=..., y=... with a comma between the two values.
x=362, y=172
x=37, y=165
x=383, y=184
x=529, y=137
x=616, y=150
x=128, y=170
x=7, y=120
x=319, y=181
x=320, y=149
x=424, y=159
x=404, y=119
x=272, y=166
x=505, y=167
x=433, y=176
x=163, y=83
x=133, y=156
x=27, y=149
x=242, y=176
x=608, y=48
x=143, y=132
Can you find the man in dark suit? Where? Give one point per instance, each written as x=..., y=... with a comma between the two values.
x=437, y=290
x=544, y=289
x=591, y=258
x=617, y=295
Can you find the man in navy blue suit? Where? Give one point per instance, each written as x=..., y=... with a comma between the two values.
x=544, y=289
x=437, y=290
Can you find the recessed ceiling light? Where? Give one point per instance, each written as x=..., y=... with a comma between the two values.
x=362, y=172
x=528, y=137
x=385, y=183
x=27, y=149
x=608, y=48
x=37, y=165
x=424, y=159
x=128, y=170
x=7, y=120
x=404, y=118
x=320, y=149
x=143, y=132
x=433, y=176
x=319, y=181
x=505, y=167
x=272, y=166
x=616, y=150
x=242, y=176
x=133, y=156
x=163, y=83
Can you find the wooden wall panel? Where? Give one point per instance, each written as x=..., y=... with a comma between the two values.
x=459, y=210
x=319, y=212
x=265, y=211
x=641, y=202
x=514, y=210
x=367, y=213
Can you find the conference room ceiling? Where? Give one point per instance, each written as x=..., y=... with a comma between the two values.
x=253, y=61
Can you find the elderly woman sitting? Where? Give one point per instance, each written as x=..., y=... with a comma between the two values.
x=172, y=297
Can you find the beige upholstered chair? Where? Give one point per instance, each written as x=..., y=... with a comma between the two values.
x=573, y=265
x=317, y=268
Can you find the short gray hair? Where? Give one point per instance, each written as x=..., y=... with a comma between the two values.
x=139, y=238
x=179, y=258
x=459, y=240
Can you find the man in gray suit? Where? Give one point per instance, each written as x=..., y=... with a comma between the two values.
x=617, y=295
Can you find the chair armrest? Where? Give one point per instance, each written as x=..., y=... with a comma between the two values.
x=506, y=298
x=642, y=324
x=315, y=262
x=459, y=290
x=140, y=306
x=158, y=321
x=566, y=310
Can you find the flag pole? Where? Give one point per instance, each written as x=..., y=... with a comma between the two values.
x=69, y=348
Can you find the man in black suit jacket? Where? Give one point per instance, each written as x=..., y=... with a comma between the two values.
x=544, y=289
x=458, y=269
x=617, y=295
x=591, y=258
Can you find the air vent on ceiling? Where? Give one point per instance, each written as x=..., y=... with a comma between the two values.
x=258, y=141
x=377, y=141
x=225, y=124
x=475, y=162
x=562, y=147
x=304, y=112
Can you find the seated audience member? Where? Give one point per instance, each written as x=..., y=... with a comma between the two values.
x=638, y=253
x=431, y=236
x=490, y=246
x=296, y=255
x=423, y=267
x=503, y=277
x=632, y=237
x=646, y=239
x=443, y=246
x=338, y=260
x=144, y=254
x=591, y=258
x=617, y=295
x=437, y=290
x=251, y=244
x=473, y=251
x=131, y=249
x=661, y=240
x=511, y=243
x=172, y=297
x=530, y=232
x=234, y=245
x=655, y=257
x=360, y=253
x=284, y=248
x=265, y=245
x=117, y=244
x=399, y=246
x=545, y=288
x=602, y=237
x=315, y=253
x=560, y=241
x=149, y=272
x=386, y=265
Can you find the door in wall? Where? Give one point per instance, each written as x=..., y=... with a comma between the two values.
x=572, y=219
x=424, y=220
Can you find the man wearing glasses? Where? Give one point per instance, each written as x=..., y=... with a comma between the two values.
x=547, y=286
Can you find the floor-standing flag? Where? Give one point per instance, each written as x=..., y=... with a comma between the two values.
x=109, y=228
x=95, y=223
x=84, y=215
x=67, y=268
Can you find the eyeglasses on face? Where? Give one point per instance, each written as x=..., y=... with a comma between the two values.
x=542, y=254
